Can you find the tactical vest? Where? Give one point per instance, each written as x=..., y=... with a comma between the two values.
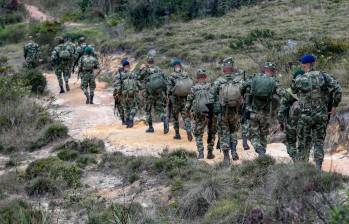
x=201, y=99
x=230, y=93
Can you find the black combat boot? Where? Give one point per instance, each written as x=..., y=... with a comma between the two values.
x=150, y=129
x=177, y=135
x=91, y=99
x=318, y=164
x=87, y=98
x=67, y=86
x=201, y=155
x=130, y=124
x=234, y=154
x=166, y=125
x=210, y=153
x=261, y=152
x=190, y=136
x=226, y=159
x=62, y=89
x=123, y=121
x=245, y=143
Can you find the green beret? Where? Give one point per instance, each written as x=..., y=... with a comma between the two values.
x=88, y=50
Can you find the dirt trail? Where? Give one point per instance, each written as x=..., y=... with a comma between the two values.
x=99, y=121
x=36, y=14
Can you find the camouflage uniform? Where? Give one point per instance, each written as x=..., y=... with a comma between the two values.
x=156, y=101
x=178, y=102
x=128, y=100
x=313, y=90
x=118, y=96
x=87, y=75
x=73, y=51
x=32, y=54
x=200, y=119
x=289, y=120
x=62, y=67
x=228, y=117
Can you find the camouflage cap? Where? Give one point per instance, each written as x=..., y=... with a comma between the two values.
x=150, y=59
x=201, y=73
x=82, y=39
x=269, y=65
x=60, y=39
x=228, y=62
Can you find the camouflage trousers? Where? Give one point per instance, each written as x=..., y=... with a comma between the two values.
x=179, y=109
x=129, y=107
x=311, y=130
x=245, y=127
x=291, y=138
x=31, y=63
x=199, y=126
x=259, y=130
x=158, y=104
x=62, y=70
x=228, y=123
x=88, y=80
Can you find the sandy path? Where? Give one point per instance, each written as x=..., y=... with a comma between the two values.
x=36, y=14
x=98, y=121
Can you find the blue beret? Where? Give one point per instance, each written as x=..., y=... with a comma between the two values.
x=124, y=63
x=307, y=58
x=176, y=62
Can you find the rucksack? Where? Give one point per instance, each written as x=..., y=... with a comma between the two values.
x=263, y=87
x=88, y=63
x=130, y=87
x=32, y=49
x=230, y=94
x=65, y=54
x=201, y=100
x=182, y=86
x=156, y=82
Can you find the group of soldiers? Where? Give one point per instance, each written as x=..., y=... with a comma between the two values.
x=65, y=58
x=234, y=99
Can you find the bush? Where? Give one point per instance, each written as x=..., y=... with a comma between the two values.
x=34, y=79
x=250, y=39
x=42, y=186
x=12, y=34
x=54, y=132
x=68, y=155
x=55, y=169
x=18, y=211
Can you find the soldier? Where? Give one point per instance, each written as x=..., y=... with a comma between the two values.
x=288, y=116
x=127, y=87
x=80, y=49
x=225, y=102
x=32, y=53
x=178, y=87
x=72, y=47
x=196, y=105
x=61, y=58
x=118, y=94
x=155, y=93
x=262, y=88
x=313, y=90
x=245, y=120
x=86, y=66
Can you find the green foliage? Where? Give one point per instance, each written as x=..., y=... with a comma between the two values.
x=53, y=132
x=340, y=213
x=72, y=16
x=12, y=33
x=18, y=211
x=251, y=38
x=222, y=210
x=4, y=67
x=42, y=186
x=34, y=79
x=114, y=19
x=133, y=177
x=68, y=155
x=61, y=172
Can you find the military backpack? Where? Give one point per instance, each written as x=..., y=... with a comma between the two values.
x=263, y=87
x=129, y=86
x=156, y=82
x=201, y=99
x=88, y=63
x=182, y=86
x=65, y=53
x=230, y=94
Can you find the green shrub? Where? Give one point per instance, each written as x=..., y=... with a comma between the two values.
x=12, y=34
x=72, y=16
x=56, y=170
x=53, y=132
x=18, y=211
x=92, y=146
x=340, y=213
x=34, y=79
x=68, y=155
x=222, y=210
x=42, y=186
x=114, y=19
x=250, y=39
x=133, y=177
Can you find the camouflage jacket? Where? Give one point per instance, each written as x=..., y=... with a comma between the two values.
x=287, y=100
x=317, y=92
x=236, y=77
x=73, y=50
x=119, y=81
x=143, y=76
x=200, y=86
x=80, y=50
x=32, y=51
x=88, y=63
